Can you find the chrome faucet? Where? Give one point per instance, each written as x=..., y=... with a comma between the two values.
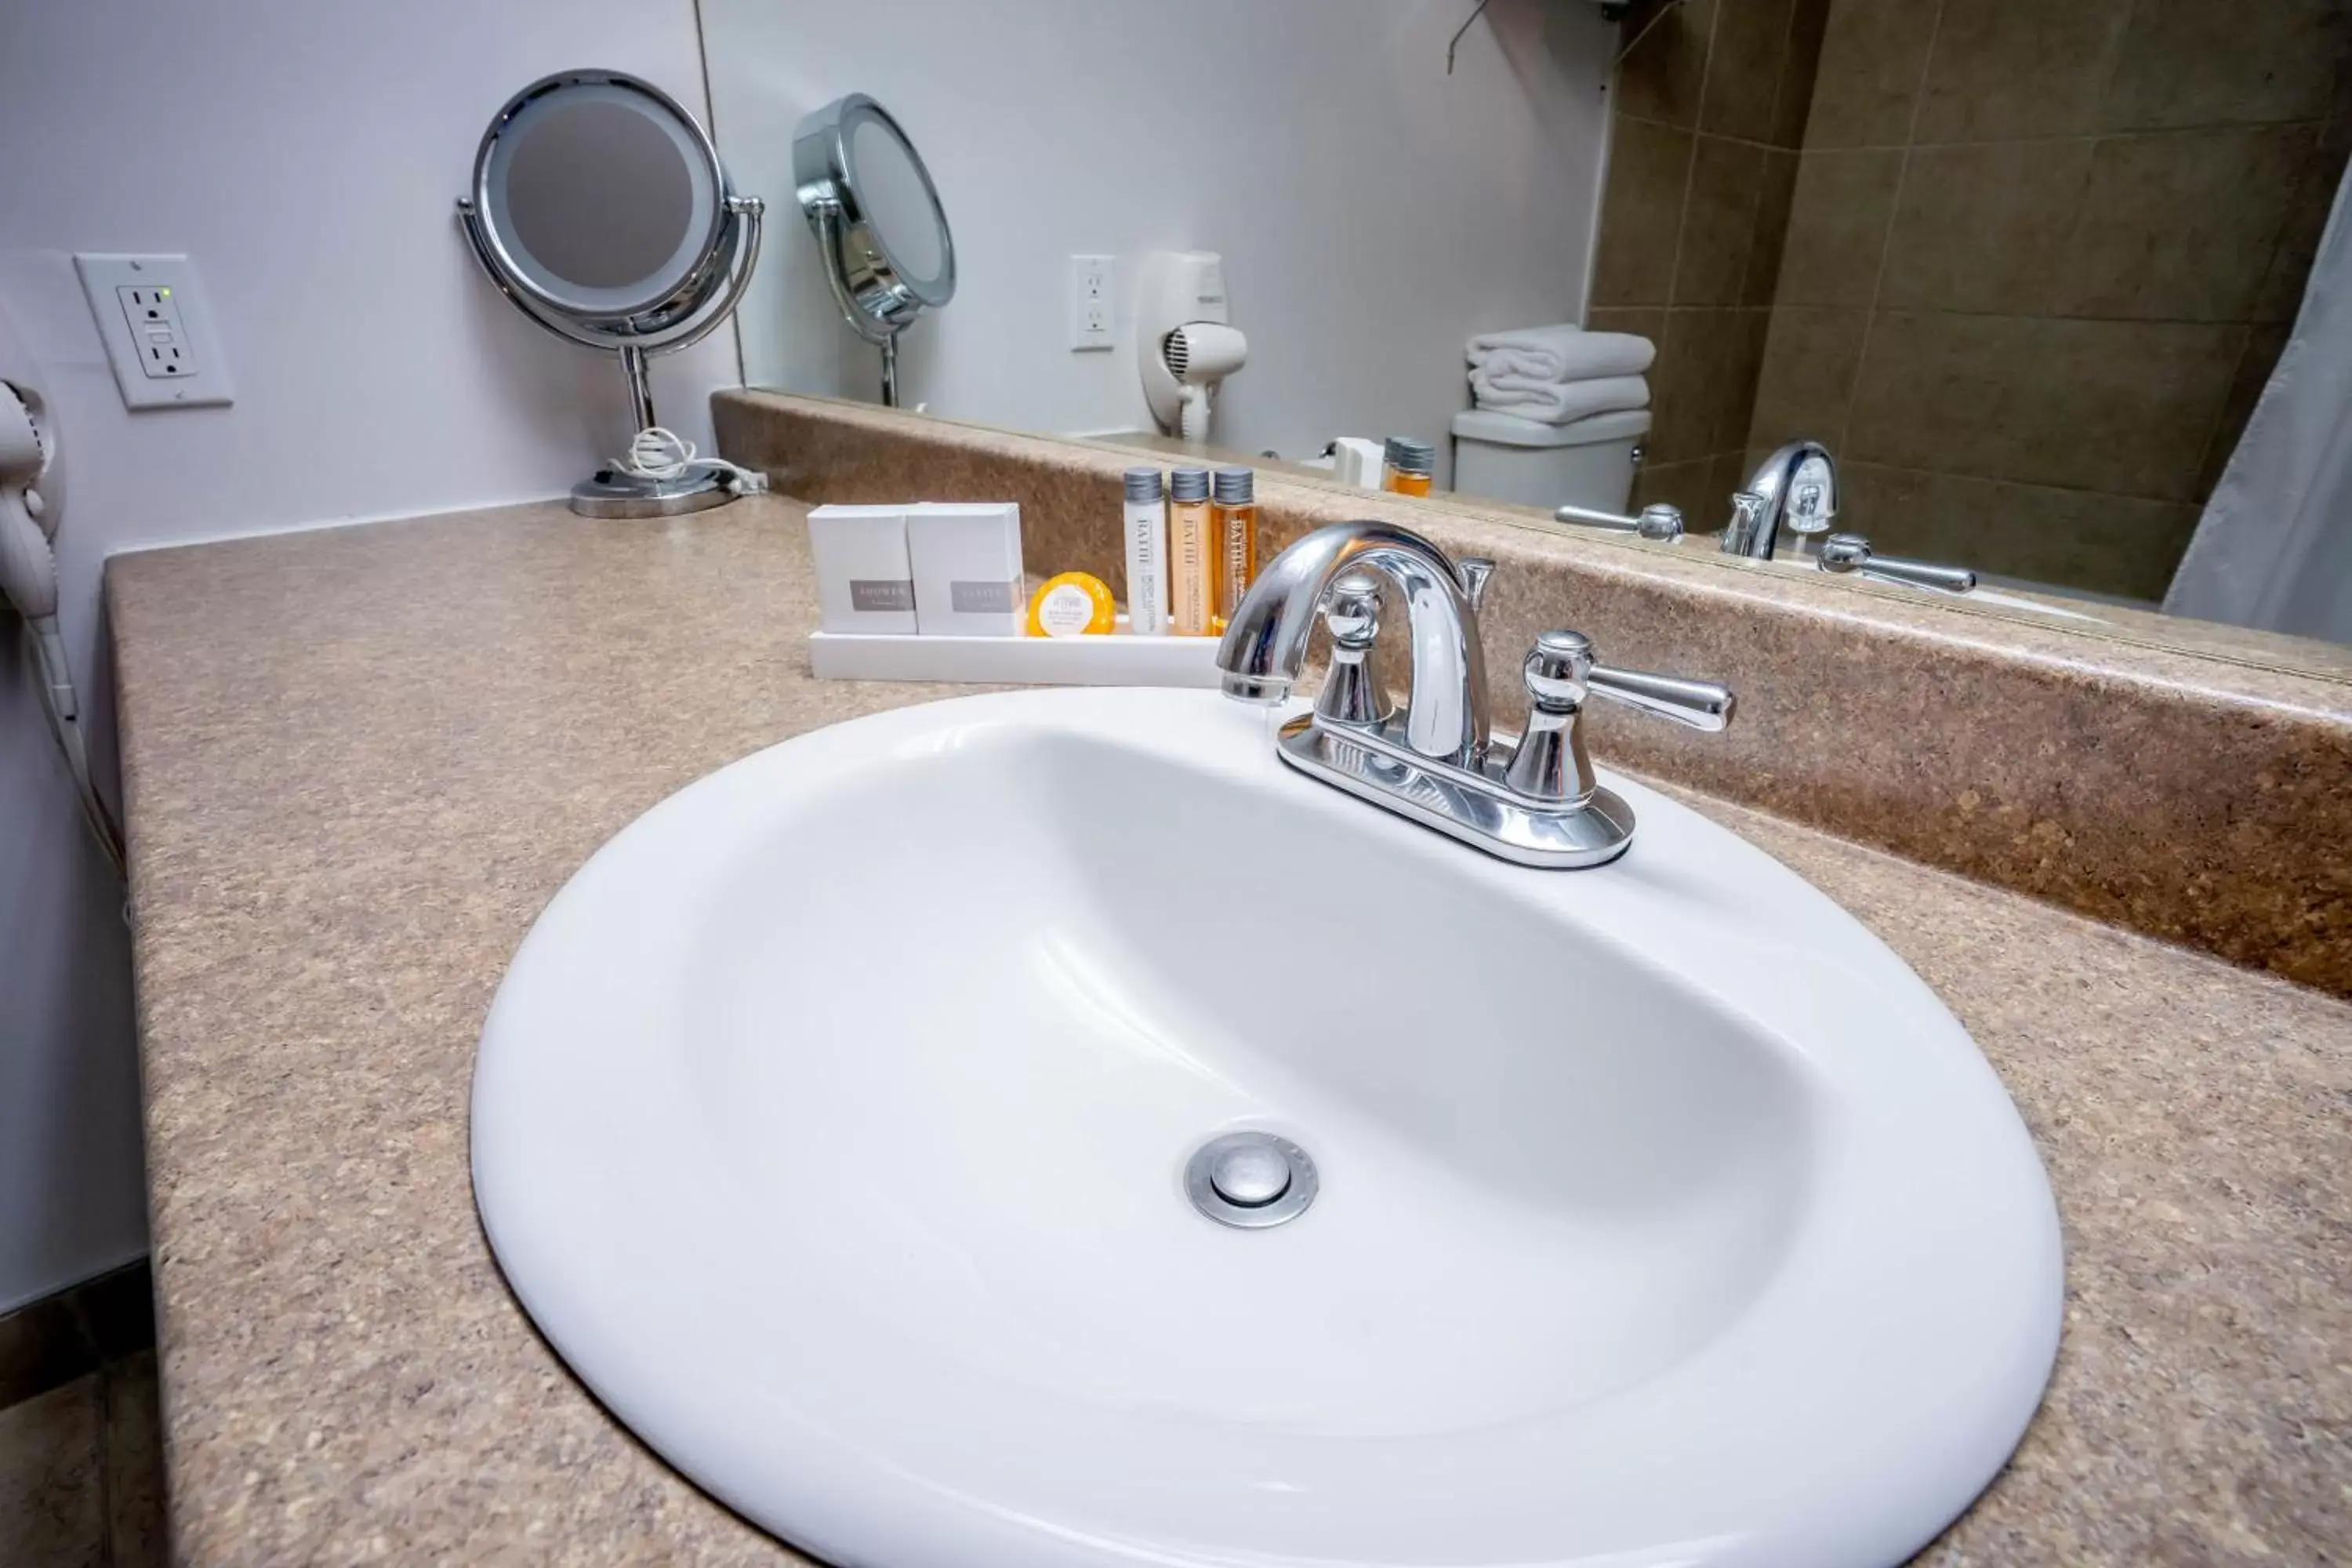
x=1533, y=799
x=1788, y=508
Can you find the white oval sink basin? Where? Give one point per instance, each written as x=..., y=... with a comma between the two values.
x=832, y=1124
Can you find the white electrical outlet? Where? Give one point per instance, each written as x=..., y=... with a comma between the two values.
x=151, y=312
x=1090, y=303
x=157, y=330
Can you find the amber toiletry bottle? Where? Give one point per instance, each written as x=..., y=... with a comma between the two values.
x=1406, y=466
x=1193, y=582
x=1235, y=515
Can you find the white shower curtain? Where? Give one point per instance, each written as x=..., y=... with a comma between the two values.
x=2274, y=547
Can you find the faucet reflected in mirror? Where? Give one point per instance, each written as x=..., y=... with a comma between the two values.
x=1792, y=495
x=1785, y=511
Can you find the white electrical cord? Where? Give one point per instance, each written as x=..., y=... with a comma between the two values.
x=64, y=729
x=663, y=454
x=28, y=580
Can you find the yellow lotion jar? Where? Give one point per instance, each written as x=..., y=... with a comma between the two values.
x=1074, y=604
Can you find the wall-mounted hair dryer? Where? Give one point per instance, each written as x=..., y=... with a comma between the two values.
x=32, y=498
x=1183, y=341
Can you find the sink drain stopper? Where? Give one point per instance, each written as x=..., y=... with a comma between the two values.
x=1250, y=1180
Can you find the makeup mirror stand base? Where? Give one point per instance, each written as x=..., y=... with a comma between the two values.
x=615, y=491
x=610, y=492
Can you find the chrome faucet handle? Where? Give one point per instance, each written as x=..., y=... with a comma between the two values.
x=1351, y=610
x=1549, y=763
x=1561, y=672
x=1851, y=553
x=1352, y=613
x=1475, y=571
x=1698, y=704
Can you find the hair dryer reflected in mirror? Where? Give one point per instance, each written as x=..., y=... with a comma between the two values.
x=1199, y=355
x=1184, y=342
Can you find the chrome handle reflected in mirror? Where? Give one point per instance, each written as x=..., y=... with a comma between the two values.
x=1658, y=521
x=1851, y=553
x=1661, y=522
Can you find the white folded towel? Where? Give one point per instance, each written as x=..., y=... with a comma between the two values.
x=1563, y=352
x=1557, y=401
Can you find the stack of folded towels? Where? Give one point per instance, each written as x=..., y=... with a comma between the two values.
x=1556, y=374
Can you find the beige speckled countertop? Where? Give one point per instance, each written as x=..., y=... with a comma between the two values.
x=359, y=762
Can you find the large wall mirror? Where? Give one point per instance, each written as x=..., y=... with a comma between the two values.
x=2055, y=287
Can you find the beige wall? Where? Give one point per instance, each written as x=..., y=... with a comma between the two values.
x=2040, y=260
x=1710, y=110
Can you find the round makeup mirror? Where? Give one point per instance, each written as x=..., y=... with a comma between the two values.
x=881, y=230
x=600, y=209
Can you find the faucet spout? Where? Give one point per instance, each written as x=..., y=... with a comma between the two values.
x=1265, y=646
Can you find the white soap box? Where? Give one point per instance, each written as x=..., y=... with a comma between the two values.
x=865, y=579
x=966, y=559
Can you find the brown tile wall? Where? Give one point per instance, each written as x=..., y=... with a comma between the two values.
x=1710, y=110
x=2039, y=260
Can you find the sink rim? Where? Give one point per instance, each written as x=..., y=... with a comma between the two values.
x=850, y=1500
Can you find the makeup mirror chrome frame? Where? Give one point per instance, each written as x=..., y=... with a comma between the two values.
x=877, y=294
x=678, y=310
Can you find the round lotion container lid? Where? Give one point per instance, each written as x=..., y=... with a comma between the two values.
x=1407, y=456
x=1188, y=485
x=1143, y=484
x=1235, y=487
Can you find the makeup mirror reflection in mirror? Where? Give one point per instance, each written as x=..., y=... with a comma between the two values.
x=882, y=247
x=898, y=199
